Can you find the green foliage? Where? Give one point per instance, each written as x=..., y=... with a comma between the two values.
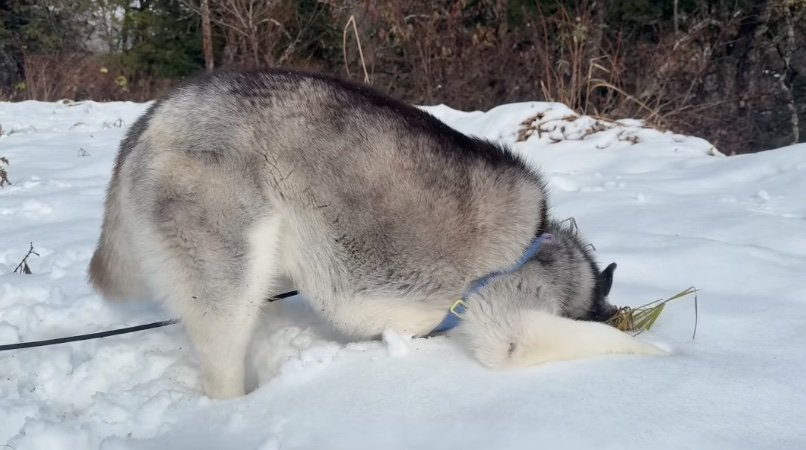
x=139, y=40
x=161, y=39
x=320, y=35
x=52, y=26
x=56, y=28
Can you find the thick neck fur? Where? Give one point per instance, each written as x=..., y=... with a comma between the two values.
x=562, y=279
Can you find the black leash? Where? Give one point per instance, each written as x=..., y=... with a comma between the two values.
x=103, y=334
x=84, y=337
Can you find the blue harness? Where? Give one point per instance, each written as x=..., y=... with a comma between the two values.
x=459, y=307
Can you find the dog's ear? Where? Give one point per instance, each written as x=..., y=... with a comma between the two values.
x=606, y=279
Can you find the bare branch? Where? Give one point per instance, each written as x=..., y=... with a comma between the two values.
x=22, y=267
x=351, y=21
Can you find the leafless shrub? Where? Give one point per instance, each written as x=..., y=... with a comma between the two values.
x=74, y=76
x=258, y=33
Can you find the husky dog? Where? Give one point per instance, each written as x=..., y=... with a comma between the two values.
x=379, y=214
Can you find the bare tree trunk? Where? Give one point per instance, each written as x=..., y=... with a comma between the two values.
x=255, y=47
x=207, y=36
x=786, y=47
x=675, y=17
x=231, y=47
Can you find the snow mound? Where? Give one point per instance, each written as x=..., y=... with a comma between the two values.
x=542, y=123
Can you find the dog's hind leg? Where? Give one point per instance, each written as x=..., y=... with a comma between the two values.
x=217, y=279
x=220, y=332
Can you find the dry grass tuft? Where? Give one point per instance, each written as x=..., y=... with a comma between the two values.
x=642, y=318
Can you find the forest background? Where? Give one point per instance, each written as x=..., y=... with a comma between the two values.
x=733, y=72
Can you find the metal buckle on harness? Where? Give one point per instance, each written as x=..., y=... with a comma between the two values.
x=458, y=308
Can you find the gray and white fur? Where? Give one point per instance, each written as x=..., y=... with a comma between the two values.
x=237, y=185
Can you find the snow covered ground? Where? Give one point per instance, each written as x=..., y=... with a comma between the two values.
x=669, y=209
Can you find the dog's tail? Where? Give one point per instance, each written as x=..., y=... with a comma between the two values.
x=114, y=270
x=535, y=337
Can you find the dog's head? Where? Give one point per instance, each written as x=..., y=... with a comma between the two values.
x=563, y=278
